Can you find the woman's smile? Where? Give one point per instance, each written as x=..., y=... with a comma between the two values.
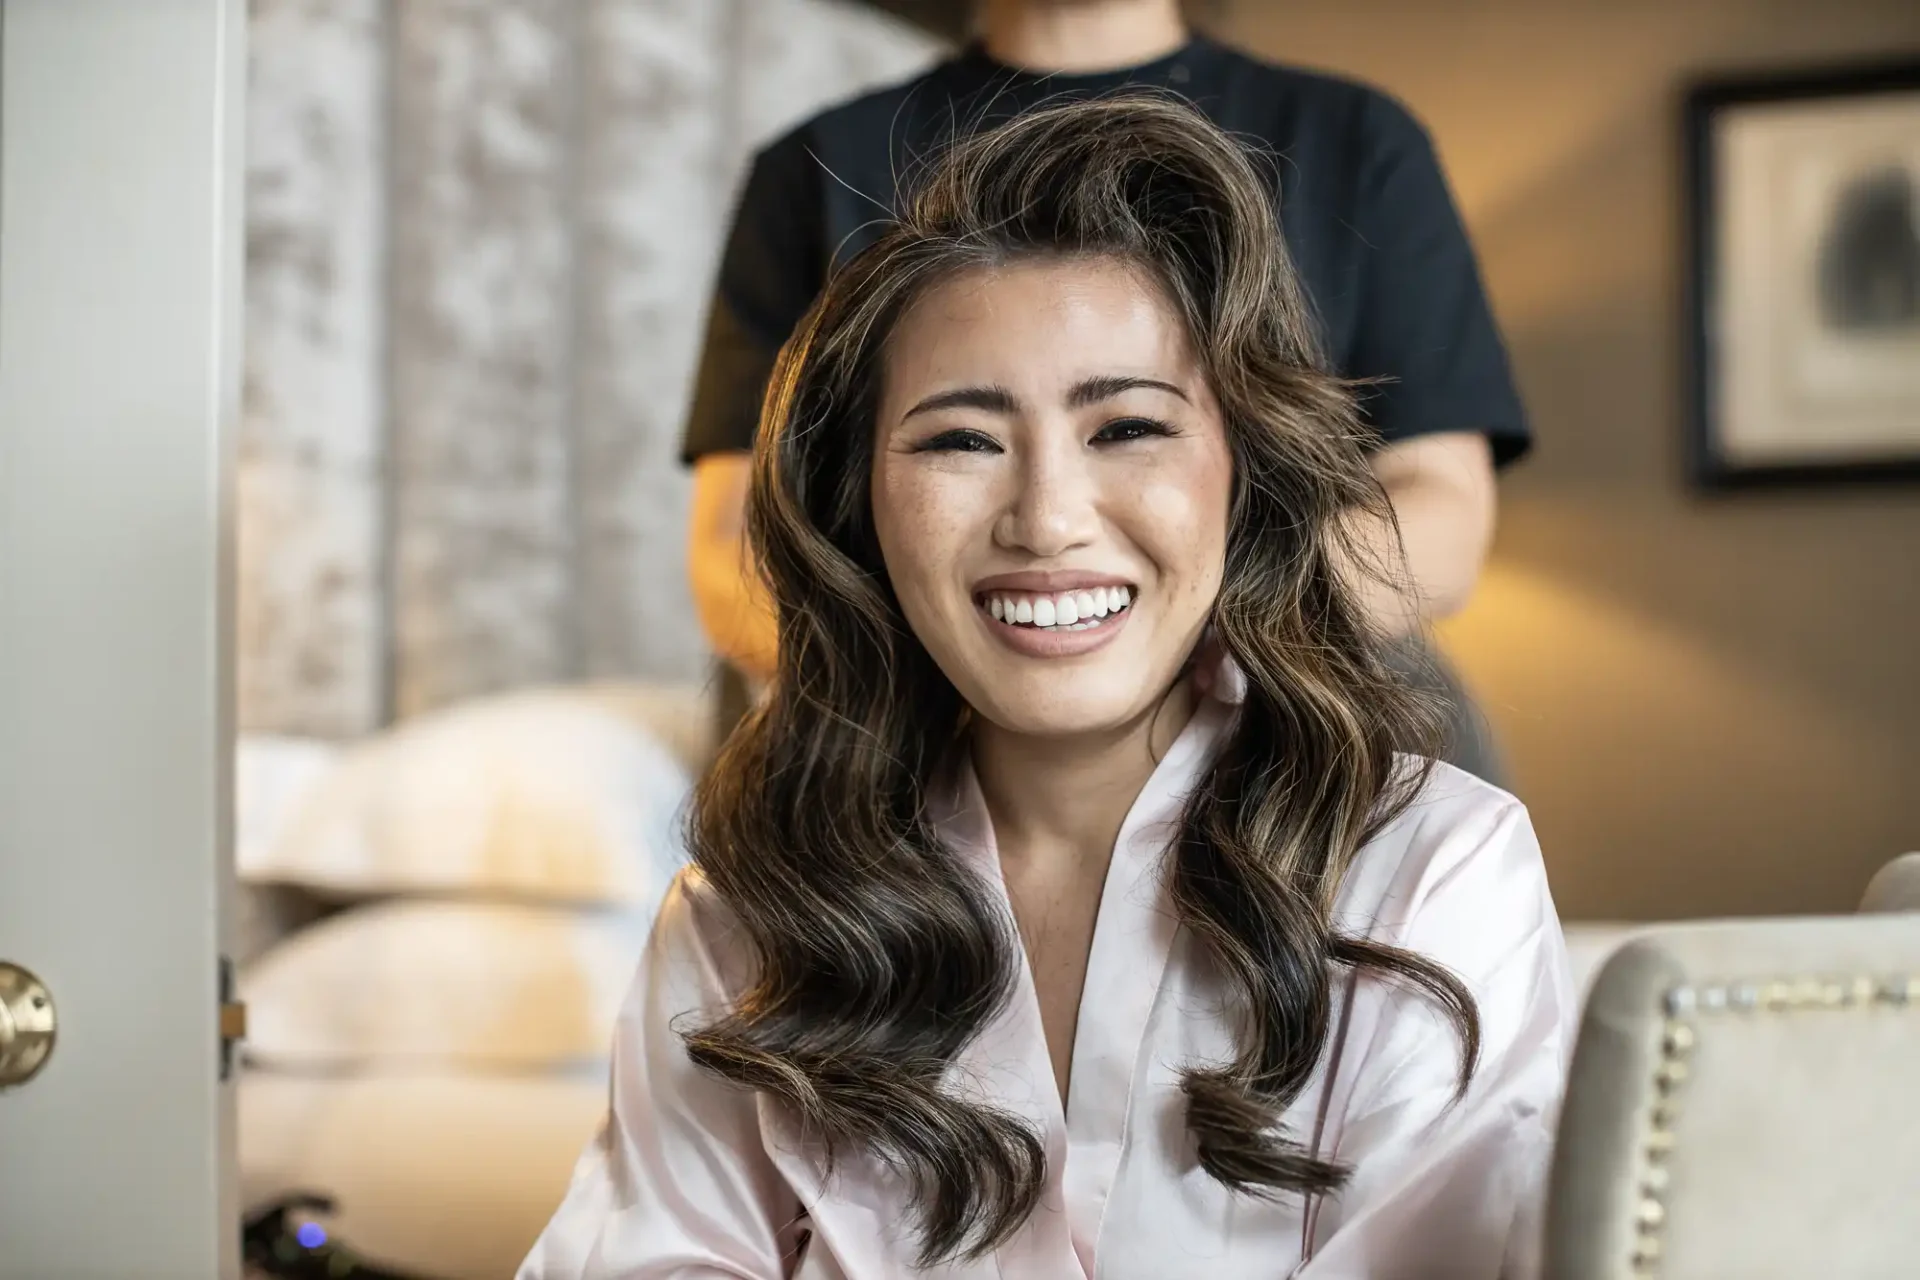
x=1054, y=615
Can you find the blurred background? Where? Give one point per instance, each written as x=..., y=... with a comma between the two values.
x=481, y=238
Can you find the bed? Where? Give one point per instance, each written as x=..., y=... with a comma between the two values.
x=437, y=924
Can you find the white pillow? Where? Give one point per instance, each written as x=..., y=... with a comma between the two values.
x=272, y=775
x=446, y=1176
x=557, y=795
x=467, y=984
x=683, y=717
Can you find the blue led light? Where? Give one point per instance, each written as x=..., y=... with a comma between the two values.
x=311, y=1234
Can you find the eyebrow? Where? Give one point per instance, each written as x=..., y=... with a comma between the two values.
x=990, y=399
x=1094, y=390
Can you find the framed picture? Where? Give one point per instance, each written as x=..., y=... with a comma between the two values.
x=1804, y=282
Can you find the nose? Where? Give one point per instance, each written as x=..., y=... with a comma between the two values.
x=1053, y=507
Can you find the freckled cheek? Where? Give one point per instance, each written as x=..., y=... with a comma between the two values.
x=926, y=526
x=1181, y=520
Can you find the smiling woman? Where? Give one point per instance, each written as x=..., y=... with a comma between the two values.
x=1081, y=898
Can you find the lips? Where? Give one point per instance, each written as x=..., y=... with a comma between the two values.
x=1054, y=626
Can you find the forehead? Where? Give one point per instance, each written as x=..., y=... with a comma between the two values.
x=1038, y=321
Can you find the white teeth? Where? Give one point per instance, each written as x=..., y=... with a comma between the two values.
x=1067, y=611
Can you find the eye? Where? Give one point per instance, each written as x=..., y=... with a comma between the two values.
x=1121, y=430
x=958, y=440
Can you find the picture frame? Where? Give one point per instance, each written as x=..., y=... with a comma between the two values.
x=1802, y=279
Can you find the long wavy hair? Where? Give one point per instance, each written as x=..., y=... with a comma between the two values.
x=879, y=954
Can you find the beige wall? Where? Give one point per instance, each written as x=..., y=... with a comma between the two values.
x=1712, y=705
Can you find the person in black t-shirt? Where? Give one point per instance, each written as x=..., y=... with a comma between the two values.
x=1364, y=209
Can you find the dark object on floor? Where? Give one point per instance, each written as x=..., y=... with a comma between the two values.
x=273, y=1244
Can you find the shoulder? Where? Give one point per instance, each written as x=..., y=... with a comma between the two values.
x=1326, y=99
x=1453, y=801
x=1457, y=878
x=692, y=908
x=1462, y=855
x=697, y=937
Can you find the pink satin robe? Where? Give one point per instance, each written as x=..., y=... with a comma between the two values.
x=692, y=1178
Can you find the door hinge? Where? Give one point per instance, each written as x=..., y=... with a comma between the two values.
x=233, y=1018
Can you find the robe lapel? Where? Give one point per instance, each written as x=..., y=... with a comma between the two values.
x=1132, y=939
x=1007, y=1065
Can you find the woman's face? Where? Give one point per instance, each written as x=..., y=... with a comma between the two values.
x=1051, y=482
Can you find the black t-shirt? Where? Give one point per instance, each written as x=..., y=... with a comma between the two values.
x=1363, y=205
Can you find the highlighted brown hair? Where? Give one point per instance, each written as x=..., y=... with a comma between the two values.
x=879, y=955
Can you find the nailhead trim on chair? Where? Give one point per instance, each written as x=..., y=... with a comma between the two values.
x=1686, y=1004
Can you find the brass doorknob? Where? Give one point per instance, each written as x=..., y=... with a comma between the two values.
x=27, y=1025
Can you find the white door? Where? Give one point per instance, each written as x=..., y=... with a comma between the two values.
x=120, y=173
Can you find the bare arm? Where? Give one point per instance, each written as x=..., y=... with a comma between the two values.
x=1442, y=490
x=727, y=591
x=774, y=263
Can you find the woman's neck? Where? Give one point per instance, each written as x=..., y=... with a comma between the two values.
x=1068, y=797
x=1080, y=37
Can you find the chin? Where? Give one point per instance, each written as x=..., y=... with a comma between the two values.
x=1060, y=708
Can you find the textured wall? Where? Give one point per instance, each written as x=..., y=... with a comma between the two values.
x=656, y=169
x=1711, y=705
x=311, y=450
x=481, y=237
x=481, y=346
